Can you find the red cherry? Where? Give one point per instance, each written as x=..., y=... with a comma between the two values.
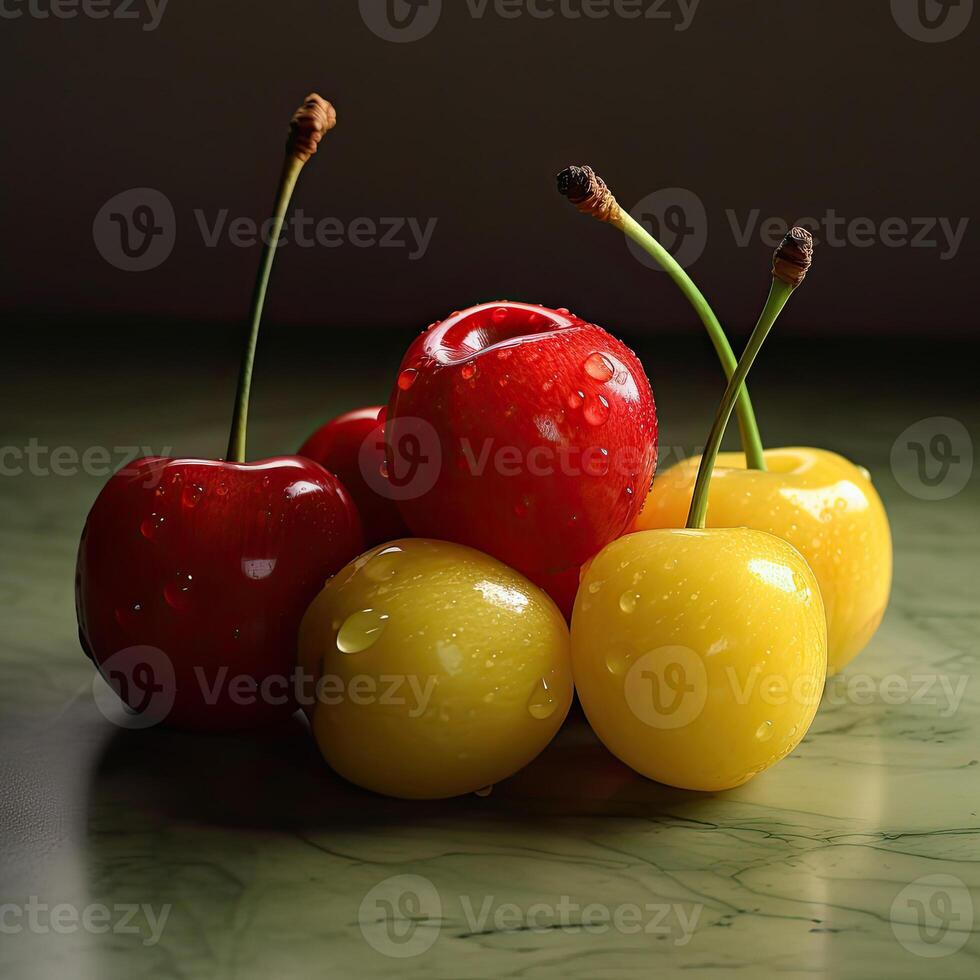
x=349, y=446
x=213, y=564
x=193, y=574
x=524, y=432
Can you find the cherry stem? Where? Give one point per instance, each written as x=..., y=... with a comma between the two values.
x=748, y=427
x=310, y=121
x=778, y=295
x=239, y=424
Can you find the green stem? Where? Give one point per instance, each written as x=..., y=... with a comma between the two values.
x=749, y=429
x=239, y=423
x=778, y=295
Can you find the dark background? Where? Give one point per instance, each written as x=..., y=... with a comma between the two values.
x=791, y=108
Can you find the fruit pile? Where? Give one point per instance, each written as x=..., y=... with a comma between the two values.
x=506, y=490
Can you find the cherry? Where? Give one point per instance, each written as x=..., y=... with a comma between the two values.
x=351, y=446
x=213, y=564
x=524, y=432
x=193, y=574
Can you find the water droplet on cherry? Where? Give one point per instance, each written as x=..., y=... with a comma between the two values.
x=542, y=703
x=361, y=630
x=599, y=367
x=407, y=378
x=151, y=525
x=499, y=314
x=192, y=494
x=576, y=399
x=596, y=410
x=628, y=601
x=177, y=593
x=128, y=616
x=469, y=371
x=616, y=660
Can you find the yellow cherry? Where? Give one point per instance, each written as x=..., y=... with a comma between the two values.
x=823, y=505
x=699, y=655
x=440, y=671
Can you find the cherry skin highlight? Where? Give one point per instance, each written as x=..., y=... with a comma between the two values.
x=524, y=432
x=351, y=446
x=213, y=564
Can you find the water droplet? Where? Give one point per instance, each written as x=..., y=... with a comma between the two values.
x=407, y=378
x=865, y=473
x=616, y=660
x=548, y=385
x=596, y=461
x=128, y=616
x=381, y=567
x=236, y=633
x=596, y=410
x=192, y=495
x=628, y=601
x=361, y=630
x=628, y=491
x=151, y=525
x=594, y=587
x=221, y=489
x=695, y=596
x=499, y=314
x=486, y=791
x=505, y=354
x=178, y=592
x=764, y=732
x=469, y=371
x=599, y=366
x=383, y=468
x=542, y=703
x=563, y=310
x=504, y=380
x=575, y=399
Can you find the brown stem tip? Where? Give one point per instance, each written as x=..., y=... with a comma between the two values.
x=588, y=192
x=792, y=260
x=311, y=120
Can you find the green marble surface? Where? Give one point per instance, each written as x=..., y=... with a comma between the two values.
x=244, y=857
